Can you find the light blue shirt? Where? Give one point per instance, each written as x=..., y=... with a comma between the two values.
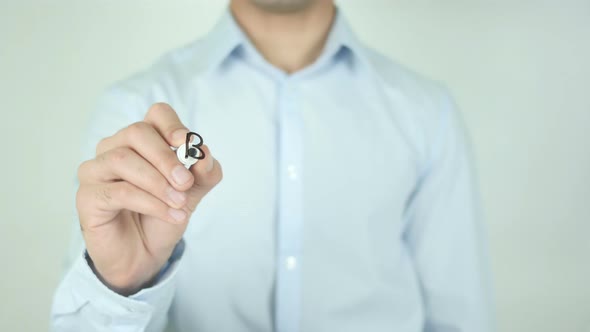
x=347, y=204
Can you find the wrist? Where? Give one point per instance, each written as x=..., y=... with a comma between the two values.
x=127, y=283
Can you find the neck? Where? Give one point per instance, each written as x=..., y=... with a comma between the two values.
x=289, y=41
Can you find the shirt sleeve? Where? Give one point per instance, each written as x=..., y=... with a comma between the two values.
x=82, y=302
x=445, y=234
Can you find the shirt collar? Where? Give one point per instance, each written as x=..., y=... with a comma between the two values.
x=341, y=37
x=222, y=40
x=226, y=38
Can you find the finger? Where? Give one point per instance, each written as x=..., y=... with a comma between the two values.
x=208, y=174
x=125, y=164
x=148, y=143
x=109, y=199
x=167, y=123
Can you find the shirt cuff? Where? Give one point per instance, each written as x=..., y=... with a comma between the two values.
x=82, y=287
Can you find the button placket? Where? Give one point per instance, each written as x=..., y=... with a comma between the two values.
x=290, y=212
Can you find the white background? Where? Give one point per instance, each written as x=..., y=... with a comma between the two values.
x=519, y=70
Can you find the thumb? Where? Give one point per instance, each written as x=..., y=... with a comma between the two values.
x=208, y=174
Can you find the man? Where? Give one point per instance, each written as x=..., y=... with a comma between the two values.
x=346, y=204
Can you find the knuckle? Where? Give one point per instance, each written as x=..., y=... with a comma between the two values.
x=102, y=144
x=171, y=132
x=136, y=131
x=156, y=182
x=122, y=190
x=167, y=162
x=159, y=107
x=84, y=169
x=119, y=155
x=160, y=184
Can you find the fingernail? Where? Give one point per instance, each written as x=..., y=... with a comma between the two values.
x=176, y=196
x=177, y=215
x=181, y=175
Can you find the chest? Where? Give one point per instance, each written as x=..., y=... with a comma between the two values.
x=354, y=164
x=310, y=170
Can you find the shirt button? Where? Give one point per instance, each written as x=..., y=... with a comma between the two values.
x=291, y=172
x=291, y=263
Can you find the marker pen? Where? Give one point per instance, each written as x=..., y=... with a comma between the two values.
x=190, y=153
